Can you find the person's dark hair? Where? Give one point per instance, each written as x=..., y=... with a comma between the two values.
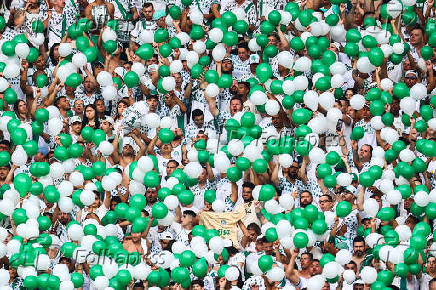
x=190, y=213
x=51, y=54
x=307, y=192
x=255, y=228
x=370, y=148
x=232, y=250
x=148, y=4
x=418, y=27
x=86, y=120
x=198, y=282
x=352, y=263
x=5, y=142
x=328, y=196
x=432, y=281
x=56, y=102
x=243, y=45
x=236, y=98
x=359, y=239
x=117, y=116
x=173, y=161
x=248, y=184
x=308, y=254
x=196, y=113
x=149, y=97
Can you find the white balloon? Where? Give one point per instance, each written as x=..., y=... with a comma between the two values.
x=76, y=178
x=311, y=100
x=235, y=147
x=216, y=35
x=192, y=57
x=101, y=282
x=337, y=81
x=276, y=274
x=338, y=68
x=288, y=87
x=11, y=71
x=285, y=160
x=404, y=232
x=364, y=66
x=285, y=59
x=79, y=60
x=349, y=276
x=286, y=201
x=258, y=98
x=368, y=275
x=418, y=91
x=421, y=198
x=146, y=36
x=56, y=170
x=283, y=229
x=343, y=257
x=19, y=156
x=212, y=90
x=301, y=82
x=109, y=93
x=22, y=49
x=106, y=148
x=55, y=126
x=108, y=34
x=253, y=46
x=199, y=47
x=4, y=84
x=218, y=52
x=232, y=273
x=331, y=270
x=104, y=78
x=65, y=49
x=65, y=204
x=272, y=107
x=398, y=48
x=138, y=68
x=408, y=105
x=302, y=64
x=371, y=207
x=394, y=8
x=193, y=169
x=338, y=33
x=216, y=244
x=196, y=17
x=152, y=120
x=316, y=282
x=169, y=83
x=218, y=206
x=87, y=197
x=176, y=66
x=386, y=84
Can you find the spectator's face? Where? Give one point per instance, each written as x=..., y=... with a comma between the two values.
x=60, y=3
x=247, y=194
x=203, y=175
x=242, y=90
x=128, y=150
x=178, y=78
x=348, y=94
x=315, y=268
x=64, y=104
x=326, y=286
x=416, y=37
x=305, y=198
x=305, y=262
x=252, y=235
x=19, y=19
x=69, y=90
x=186, y=220
x=358, y=287
x=90, y=113
x=136, y=237
x=410, y=80
x=227, y=66
x=64, y=218
x=351, y=267
x=76, y=127
x=89, y=86
x=272, y=40
x=152, y=104
x=243, y=54
x=268, y=248
x=22, y=107
x=151, y=195
x=325, y=204
x=348, y=196
x=365, y=153
x=199, y=121
x=431, y=264
x=121, y=107
x=106, y=126
x=148, y=13
x=78, y=107
x=4, y=172
x=39, y=63
x=197, y=287
x=99, y=106
x=235, y=106
x=358, y=248
x=277, y=122
x=171, y=166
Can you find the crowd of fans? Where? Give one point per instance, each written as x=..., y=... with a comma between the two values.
x=232, y=144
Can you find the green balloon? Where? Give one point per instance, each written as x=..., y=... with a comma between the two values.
x=234, y=174
x=199, y=268
x=19, y=136
x=241, y=26
x=131, y=79
x=230, y=38
x=41, y=80
x=8, y=48
x=300, y=240
x=10, y=96
x=353, y=35
x=319, y=227
x=175, y=12
x=343, y=209
x=82, y=43
x=187, y=258
x=301, y=116
x=22, y=183
x=165, y=50
x=323, y=170
x=159, y=210
x=303, y=147
x=351, y=49
x=262, y=40
x=186, y=197
x=267, y=192
x=305, y=17
x=263, y=72
x=197, y=32
x=265, y=263
x=151, y=179
x=161, y=35
x=260, y=166
x=297, y=44
x=357, y=133
x=44, y=223
x=145, y=51
x=266, y=27
x=91, y=53
x=225, y=81
x=274, y=17
x=409, y=18
x=110, y=46
x=51, y=194
x=376, y=56
x=73, y=80
x=2, y=23
x=386, y=214
x=196, y=71
x=5, y=158
x=166, y=135
x=271, y=234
